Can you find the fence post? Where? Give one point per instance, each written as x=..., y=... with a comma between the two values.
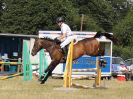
x=98, y=77
x=27, y=68
x=68, y=68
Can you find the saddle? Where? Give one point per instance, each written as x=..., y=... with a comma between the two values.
x=65, y=49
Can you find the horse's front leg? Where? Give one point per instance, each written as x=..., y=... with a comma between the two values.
x=49, y=70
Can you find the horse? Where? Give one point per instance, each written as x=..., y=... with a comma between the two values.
x=87, y=46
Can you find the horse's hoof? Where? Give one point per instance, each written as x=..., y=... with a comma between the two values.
x=42, y=82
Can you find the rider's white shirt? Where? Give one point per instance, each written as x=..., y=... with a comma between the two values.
x=69, y=35
x=66, y=29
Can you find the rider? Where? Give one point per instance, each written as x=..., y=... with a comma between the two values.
x=66, y=34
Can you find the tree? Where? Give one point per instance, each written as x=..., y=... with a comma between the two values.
x=1, y=8
x=29, y=16
x=106, y=13
x=101, y=11
x=124, y=30
x=124, y=33
x=120, y=8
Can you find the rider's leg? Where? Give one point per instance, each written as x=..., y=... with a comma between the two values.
x=66, y=42
x=64, y=45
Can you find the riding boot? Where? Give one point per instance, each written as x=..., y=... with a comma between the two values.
x=64, y=50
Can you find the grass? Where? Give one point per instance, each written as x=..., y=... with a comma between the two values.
x=16, y=88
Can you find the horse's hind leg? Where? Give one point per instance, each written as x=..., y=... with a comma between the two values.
x=48, y=71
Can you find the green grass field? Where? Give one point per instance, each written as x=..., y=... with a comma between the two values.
x=16, y=88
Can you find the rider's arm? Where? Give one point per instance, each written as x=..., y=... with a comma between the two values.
x=63, y=35
x=63, y=32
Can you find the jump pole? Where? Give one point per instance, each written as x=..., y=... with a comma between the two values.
x=14, y=75
x=97, y=83
x=98, y=74
x=11, y=76
x=10, y=63
x=68, y=68
x=68, y=72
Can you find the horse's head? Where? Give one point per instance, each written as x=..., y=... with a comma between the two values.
x=37, y=46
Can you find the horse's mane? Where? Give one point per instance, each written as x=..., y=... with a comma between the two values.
x=52, y=40
x=49, y=39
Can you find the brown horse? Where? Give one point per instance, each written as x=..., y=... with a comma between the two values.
x=88, y=46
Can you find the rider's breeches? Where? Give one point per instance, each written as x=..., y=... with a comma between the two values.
x=67, y=41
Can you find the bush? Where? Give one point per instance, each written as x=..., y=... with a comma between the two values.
x=124, y=52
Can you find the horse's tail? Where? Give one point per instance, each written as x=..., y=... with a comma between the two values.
x=107, y=35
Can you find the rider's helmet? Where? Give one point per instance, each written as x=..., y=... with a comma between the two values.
x=59, y=19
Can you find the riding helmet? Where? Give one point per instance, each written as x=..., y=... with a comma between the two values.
x=59, y=19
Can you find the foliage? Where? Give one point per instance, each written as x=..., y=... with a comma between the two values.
x=124, y=30
x=1, y=9
x=101, y=11
x=124, y=52
x=29, y=16
x=120, y=8
x=89, y=24
x=106, y=13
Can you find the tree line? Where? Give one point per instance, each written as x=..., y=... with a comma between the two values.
x=30, y=16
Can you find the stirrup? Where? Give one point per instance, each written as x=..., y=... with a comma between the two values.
x=65, y=57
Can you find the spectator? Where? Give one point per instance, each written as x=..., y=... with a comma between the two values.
x=131, y=67
x=122, y=67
